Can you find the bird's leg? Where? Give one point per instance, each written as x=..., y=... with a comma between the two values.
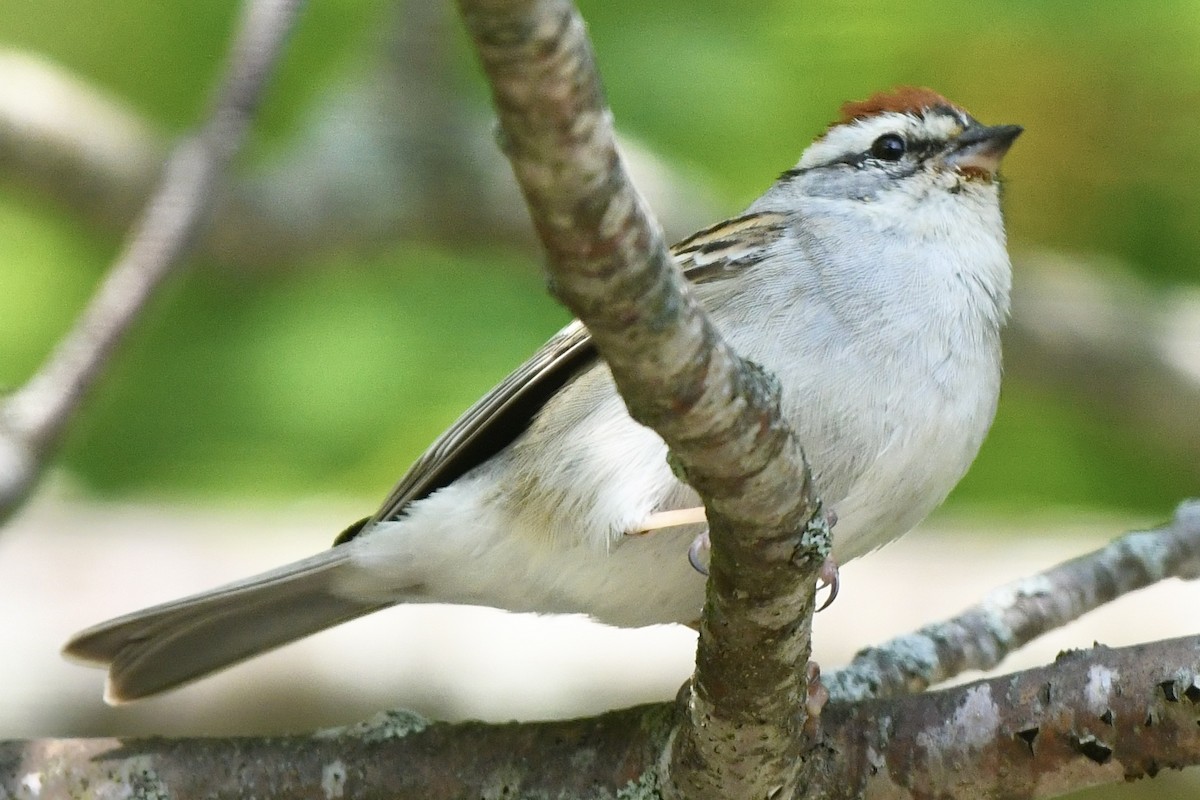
x=673, y=519
x=670, y=519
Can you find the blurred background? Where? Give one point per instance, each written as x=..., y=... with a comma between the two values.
x=369, y=273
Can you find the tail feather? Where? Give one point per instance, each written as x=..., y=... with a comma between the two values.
x=159, y=648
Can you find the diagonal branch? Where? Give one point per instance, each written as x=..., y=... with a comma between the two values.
x=1012, y=616
x=390, y=152
x=33, y=418
x=68, y=140
x=609, y=264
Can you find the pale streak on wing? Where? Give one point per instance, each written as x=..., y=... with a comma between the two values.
x=720, y=251
x=506, y=411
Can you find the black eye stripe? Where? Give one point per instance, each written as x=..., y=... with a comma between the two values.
x=918, y=151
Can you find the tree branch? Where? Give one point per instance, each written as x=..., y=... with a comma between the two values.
x=1122, y=350
x=394, y=152
x=1087, y=718
x=67, y=140
x=1093, y=717
x=1012, y=616
x=396, y=754
x=720, y=416
x=33, y=418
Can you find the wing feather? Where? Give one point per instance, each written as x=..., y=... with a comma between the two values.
x=502, y=414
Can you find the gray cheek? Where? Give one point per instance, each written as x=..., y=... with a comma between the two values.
x=856, y=183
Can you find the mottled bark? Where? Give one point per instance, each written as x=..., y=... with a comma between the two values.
x=739, y=728
x=1093, y=717
x=1011, y=616
x=608, y=263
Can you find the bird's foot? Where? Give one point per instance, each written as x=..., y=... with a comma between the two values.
x=816, y=698
x=831, y=517
x=828, y=578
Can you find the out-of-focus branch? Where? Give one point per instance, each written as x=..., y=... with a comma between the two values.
x=1093, y=717
x=33, y=418
x=67, y=140
x=720, y=416
x=1011, y=616
x=389, y=154
x=395, y=151
x=1126, y=353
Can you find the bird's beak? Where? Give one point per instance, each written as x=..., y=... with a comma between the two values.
x=978, y=150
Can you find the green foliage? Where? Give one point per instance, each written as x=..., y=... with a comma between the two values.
x=46, y=270
x=1045, y=451
x=324, y=381
x=163, y=58
x=333, y=375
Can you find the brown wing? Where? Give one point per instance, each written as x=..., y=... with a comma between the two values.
x=504, y=413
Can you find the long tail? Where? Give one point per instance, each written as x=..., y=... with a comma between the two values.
x=159, y=648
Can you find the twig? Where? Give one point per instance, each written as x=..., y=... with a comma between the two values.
x=391, y=153
x=66, y=139
x=33, y=418
x=608, y=263
x=1122, y=349
x=1011, y=616
x=1093, y=717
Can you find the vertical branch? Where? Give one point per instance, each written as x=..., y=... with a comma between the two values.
x=32, y=419
x=720, y=416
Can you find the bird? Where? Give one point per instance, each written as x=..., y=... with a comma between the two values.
x=873, y=280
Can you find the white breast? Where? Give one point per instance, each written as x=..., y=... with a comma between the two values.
x=889, y=358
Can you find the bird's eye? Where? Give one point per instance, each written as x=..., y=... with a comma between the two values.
x=889, y=147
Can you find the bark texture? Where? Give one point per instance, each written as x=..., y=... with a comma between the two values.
x=608, y=263
x=1093, y=717
x=1011, y=616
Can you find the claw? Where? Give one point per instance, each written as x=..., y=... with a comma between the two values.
x=814, y=702
x=828, y=578
x=699, y=544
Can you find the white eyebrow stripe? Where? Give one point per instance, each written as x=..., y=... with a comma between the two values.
x=841, y=141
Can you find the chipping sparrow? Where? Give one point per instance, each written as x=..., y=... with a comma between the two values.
x=872, y=279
